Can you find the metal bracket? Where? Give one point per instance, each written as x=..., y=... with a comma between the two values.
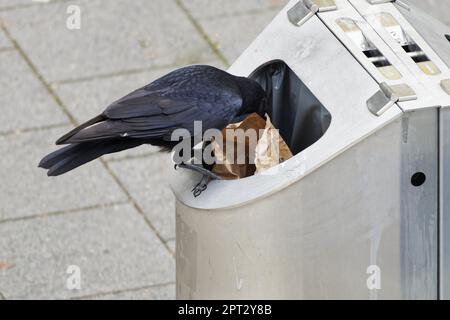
x=305, y=9
x=445, y=84
x=387, y=96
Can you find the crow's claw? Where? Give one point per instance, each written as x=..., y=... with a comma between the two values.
x=207, y=176
x=199, y=188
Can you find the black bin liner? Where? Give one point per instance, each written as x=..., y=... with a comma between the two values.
x=293, y=109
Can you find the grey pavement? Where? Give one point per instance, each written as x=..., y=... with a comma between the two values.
x=4, y=43
x=111, y=245
x=223, y=30
x=32, y=101
x=207, y=9
x=113, y=218
x=146, y=179
x=161, y=292
x=26, y=191
x=115, y=36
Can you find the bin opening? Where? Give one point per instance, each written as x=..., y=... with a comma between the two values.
x=293, y=108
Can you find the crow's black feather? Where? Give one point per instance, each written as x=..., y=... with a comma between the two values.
x=150, y=114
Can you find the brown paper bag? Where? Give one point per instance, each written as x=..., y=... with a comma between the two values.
x=271, y=149
x=226, y=164
x=258, y=157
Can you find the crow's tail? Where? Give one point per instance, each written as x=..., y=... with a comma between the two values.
x=91, y=122
x=75, y=155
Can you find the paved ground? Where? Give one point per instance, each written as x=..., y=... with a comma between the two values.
x=114, y=218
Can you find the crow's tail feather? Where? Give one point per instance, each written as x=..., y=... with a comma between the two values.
x=75, y=155
x=89, y=123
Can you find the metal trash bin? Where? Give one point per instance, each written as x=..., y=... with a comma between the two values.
x=365, y=106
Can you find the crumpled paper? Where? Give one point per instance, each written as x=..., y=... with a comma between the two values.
x=271, y=149
x=268, y=151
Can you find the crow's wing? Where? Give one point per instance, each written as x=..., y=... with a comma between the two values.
x=155, y=111
x=178, y=91
x=144, y=103
x=157, y=126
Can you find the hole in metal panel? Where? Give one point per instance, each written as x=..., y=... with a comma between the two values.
x=418, y=179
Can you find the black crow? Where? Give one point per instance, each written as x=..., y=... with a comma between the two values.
x=150, y=114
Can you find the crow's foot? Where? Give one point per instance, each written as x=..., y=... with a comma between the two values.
x=207, y=176
x=201, y=186
x=199, y=169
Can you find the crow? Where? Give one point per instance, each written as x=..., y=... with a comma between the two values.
x=150, y=115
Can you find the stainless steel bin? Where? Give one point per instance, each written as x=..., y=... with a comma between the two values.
x=368, y=191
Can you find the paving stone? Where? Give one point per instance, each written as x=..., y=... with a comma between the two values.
x=11, y=4
x=146, y=180
x=202, y=9
x=166, y=292
x=227, y=32
x=172, y=245
x=4, y=42
x=86, y=99
x=25, y=190
x=123, y=35
x=113, y=248
x=24, y=100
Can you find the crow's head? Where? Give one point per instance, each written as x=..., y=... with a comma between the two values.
x=253, y=96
